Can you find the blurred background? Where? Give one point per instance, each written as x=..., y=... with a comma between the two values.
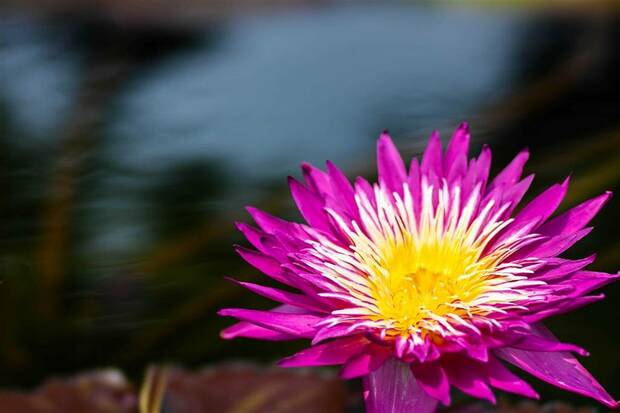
x=132, y=135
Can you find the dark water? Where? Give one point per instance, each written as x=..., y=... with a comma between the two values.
x=127, y=152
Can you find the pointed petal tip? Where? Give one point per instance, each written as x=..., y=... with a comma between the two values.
x=567, y=180
x=226, y=336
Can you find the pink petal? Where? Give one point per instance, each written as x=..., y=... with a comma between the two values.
x=538, y=210
x=553, y=246
x=335, y=352
x=362, y=186
x=502, y=378
x=515, y=193
x=253, y=235
x=537, y=343
x=390, y=164
x=271, y=224
x=316, y=180
x=575, y=218
x=310, y=205
x=585, y=282
x=562, y=268
x=263, y=263
x=561, y=306
x=544, y=204
x=433, y=380
x=342, y=190
x=560, y=369
x=249, y=330
x=282, y=296
x=393, y=389
x=512, y=173
x=299, y=325
x=455, y=159
x=365, y=363
x=431, y=160
x=414, y=184
x=466, y=376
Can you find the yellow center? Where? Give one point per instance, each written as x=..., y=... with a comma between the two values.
x=422, y=273
x=412, y=283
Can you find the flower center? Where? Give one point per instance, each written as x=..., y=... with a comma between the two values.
x=412, y=285
x=420, y=266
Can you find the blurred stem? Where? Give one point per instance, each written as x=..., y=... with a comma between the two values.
x=153, y=390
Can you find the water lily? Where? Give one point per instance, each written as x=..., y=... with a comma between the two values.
x=429, y=279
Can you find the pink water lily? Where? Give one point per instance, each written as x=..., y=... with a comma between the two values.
x=426, y=280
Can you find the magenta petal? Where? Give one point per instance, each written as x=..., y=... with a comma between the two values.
x=393, y=389
x=512, y=173
x=502, y=378
x=553, y=246
x=455, y=159
x=390, y=164
x=343, y=190
x=264, y=263
x=269, y=223
x=335, y=352
x=562, y=268
x=558, y=368
x=362, y=364
x=537, y=343
x=317, y=180
x=575, y=218
x=249, y=330
x=299, y=325
x=414, y=184
x=467, y=376
x=431, y=160
x=541, y=207
x=310, y=205
x=515, y=193
x=433, y=380
x=563, y=305
x=282, y=296
x=585, y=282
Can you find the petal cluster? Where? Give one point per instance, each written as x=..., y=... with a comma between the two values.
x=430, y=270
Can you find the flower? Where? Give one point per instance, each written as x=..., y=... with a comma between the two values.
x=426, y=280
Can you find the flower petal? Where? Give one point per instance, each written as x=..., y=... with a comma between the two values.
x=468, y=377
x=575, y=218
x=433, y=380
x=455, y=159
x=558, y=368
x=263, y=263
x=310, y=205
x=335, y=352
x=299, y=325
x=511, y=173
x=249, y=330
x=502, y=378
x=390, y=164
x=393, y=389
x=284, y=297
x=431, y=160
x=365, y=363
